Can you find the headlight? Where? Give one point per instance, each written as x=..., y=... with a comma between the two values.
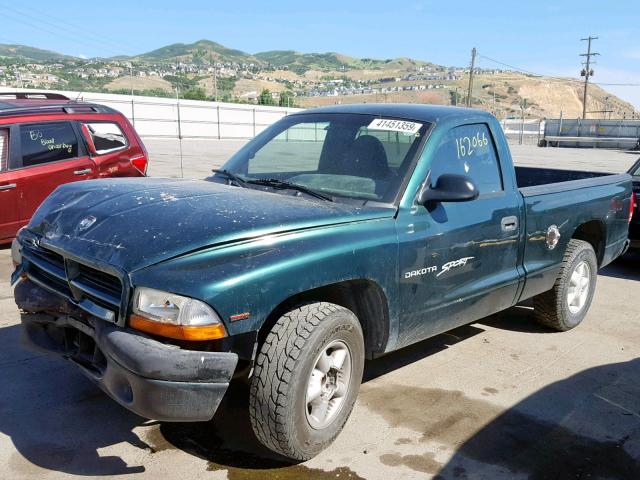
x=16, y=252
x=174, y=316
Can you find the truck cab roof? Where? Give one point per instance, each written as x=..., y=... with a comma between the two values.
x=419, y=112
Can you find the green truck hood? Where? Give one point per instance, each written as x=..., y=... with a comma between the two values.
x=134, y=223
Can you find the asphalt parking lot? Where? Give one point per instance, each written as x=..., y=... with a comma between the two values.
x=499, y=399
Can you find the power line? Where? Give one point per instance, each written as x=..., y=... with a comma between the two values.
x=58, y=24
x=616, y=84
x=54, y=33
x=555, y=77
x=509, y=66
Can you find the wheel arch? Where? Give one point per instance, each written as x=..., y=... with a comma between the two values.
x=593, y=232
x=364, y=297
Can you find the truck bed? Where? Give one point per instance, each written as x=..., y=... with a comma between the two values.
x=538, y=181
x=567, y=198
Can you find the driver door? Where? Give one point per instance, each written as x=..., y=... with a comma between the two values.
x=458, y=260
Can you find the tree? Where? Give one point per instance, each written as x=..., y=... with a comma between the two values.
x=286, y=99
x=195, y=93
x=456, y=98
x=265, y=97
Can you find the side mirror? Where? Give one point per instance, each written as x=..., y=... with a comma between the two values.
x=449, y=188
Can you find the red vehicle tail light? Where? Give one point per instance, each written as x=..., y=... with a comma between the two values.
x=140, y=162
x=633, y=205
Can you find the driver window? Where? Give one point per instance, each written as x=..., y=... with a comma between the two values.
x=297, y=149
x=469, y=150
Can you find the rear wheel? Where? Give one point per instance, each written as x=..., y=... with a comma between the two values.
x=306, y=379
x=566, y=304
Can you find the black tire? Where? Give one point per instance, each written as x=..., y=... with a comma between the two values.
x=552, y=308
x=278, y=390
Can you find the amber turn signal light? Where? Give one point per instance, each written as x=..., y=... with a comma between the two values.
x=178, y=332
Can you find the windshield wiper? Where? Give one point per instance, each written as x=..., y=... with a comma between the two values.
x=231, y=176
x=277, y=183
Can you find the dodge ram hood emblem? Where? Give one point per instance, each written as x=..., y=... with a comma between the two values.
x=553, y=237
x=86, y=222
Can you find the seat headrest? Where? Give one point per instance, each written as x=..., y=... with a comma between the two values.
x=367, y=154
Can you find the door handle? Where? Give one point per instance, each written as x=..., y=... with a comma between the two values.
x=8, y=186
x=82, y=172
x=509, y=224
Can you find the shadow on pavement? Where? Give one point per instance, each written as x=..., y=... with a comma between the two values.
x=228, y=442
x=56, y=418
x=626, y=267
x=587, y=426
x=516, y=319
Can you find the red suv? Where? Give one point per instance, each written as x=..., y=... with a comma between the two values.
x=47, y=139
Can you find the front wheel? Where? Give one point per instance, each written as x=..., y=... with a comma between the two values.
x=306, y=379
x=566, y=304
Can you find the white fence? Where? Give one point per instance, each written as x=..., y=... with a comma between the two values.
x=523, y=131
x=596, y=133
x=173, y=118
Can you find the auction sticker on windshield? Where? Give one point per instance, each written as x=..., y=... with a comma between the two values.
x=389, y=125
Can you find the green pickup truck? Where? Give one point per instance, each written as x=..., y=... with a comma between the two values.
x=336, y=235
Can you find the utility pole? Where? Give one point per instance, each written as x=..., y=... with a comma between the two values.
x=473, y=66
x=133, y=105
x=131, y=76
x=215, y=83
x=494, y=99
x=587, y=72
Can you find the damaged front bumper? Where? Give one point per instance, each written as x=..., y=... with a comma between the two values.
x=151, y=378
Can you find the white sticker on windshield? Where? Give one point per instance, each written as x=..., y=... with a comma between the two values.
x=410, y=128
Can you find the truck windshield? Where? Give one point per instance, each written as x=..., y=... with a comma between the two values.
x=345, y=155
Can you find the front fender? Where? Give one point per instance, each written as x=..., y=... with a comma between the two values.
x=256, y=276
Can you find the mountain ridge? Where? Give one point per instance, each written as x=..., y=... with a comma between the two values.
x=207, y=51
x=316, y=78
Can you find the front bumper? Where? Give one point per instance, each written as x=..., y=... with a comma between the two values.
x=153, y=379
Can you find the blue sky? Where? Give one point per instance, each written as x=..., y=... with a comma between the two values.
x=541, y=36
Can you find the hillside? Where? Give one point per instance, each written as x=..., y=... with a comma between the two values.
x=24, y=52
x=313, y=78
x=302, y=62
x=544, y=96
x=202, y=51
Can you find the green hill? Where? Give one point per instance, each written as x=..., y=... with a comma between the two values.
x=202, y=51
x=207, y=52
x=301, y=62
x=34, y=54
